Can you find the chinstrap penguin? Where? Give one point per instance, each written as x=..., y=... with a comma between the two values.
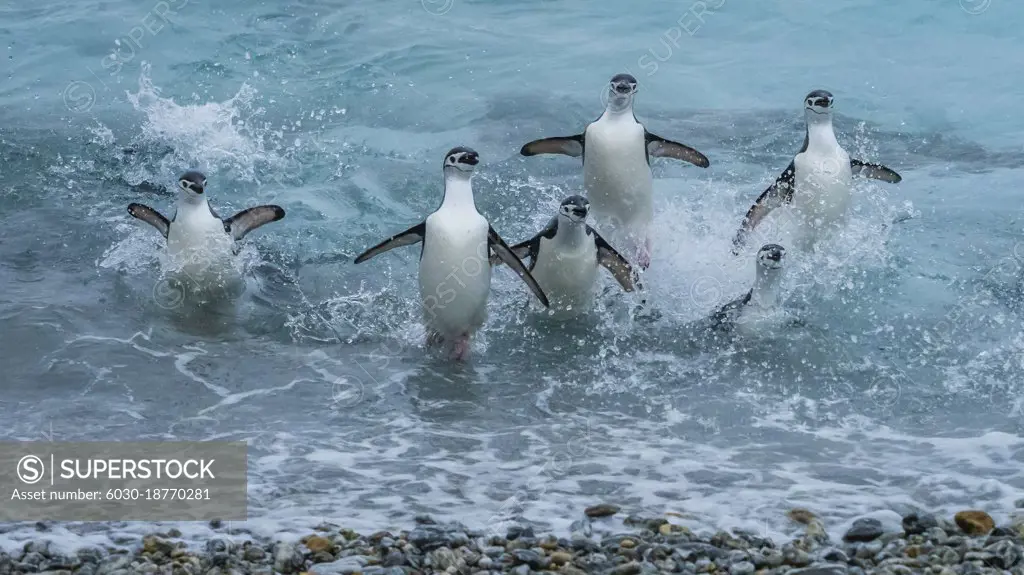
x=817, y=183
x=454, y=274
x=200, y=244
x=565, y=257
x=616, y=151
x=762, y=303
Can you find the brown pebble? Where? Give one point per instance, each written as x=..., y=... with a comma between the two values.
x=316, y=544
x=550, y=543
x=665, y=529
x=802, y=516
x=627, y=543
x=974, y=523
x=913, y=551
x=602, y=510
x=560, y=558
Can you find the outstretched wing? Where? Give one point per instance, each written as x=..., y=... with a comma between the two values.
x=875, y=172
x=661, y=148
x=531, y=247
x=504, y=252
x=248, y=220
x=777, y=194
x=613, y=261
x=723, y=318
x=151, y=217
x=567, y=145
x=409, y=237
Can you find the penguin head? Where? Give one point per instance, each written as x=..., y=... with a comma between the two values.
x=192, y=185
x=770, y=256
x=621, y=89
x=461, y=159
x=575, y=208
x=818, y=103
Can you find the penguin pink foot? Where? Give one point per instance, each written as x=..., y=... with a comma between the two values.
x=643, y=256
x=460, y=349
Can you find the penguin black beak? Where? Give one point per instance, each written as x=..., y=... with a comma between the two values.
x=580, y=212
x=622, y=88
x=471, y=159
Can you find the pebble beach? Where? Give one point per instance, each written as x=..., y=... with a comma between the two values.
x=970, y=543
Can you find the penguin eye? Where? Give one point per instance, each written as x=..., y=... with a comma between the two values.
x=185, y=184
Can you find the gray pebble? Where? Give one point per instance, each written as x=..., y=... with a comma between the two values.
x=919, y=523
x=631, y=568
x=864, y=529
x=1005, y=554
x=286, y=560
x=821, y=570
x=341, y=567
x=394, y=558
x=770, y=558
x=254, y=554
x=90, y=554
x=530, y=557
x=442, y=558
x=742, y=568
x=33, y=558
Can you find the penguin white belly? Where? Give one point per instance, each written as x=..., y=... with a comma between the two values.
x=455, y=276
x=616, y=174
x=755, y=319
x=567, y=276
x=199, y=248
x=823, y=189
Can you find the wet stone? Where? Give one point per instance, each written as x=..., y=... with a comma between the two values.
x=602, y=510
x=864, y=529
x=919, y=523
x=516, y=532
x=821, y=570
x=529, y=557
x=631, y=568
x=1005, y=554
x=742, y=568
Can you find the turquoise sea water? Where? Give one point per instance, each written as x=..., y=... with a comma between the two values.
x=902, y=389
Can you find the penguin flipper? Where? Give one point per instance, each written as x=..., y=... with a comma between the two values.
x=248, y=220
x=505, y=253
x=531, y=247
x=777, y=194
x=661, y=148
x=151, y=217
x=613, y=261
x=567, y=145
x=875, y=172
x=409, y=237
x=723, y=317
